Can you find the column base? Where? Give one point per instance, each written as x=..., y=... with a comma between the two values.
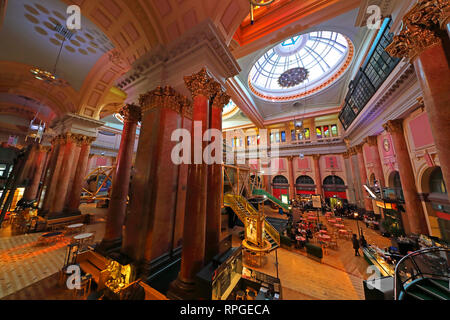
x=108, y=247
x=180, y=290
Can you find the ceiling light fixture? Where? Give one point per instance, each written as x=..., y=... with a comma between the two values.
x=255, y=4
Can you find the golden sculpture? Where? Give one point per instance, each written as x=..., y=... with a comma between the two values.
x=119, y=276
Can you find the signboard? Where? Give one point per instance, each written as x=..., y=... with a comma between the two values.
x=386, y=205
x=317, y=202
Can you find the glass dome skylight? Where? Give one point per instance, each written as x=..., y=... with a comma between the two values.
x=324, y=54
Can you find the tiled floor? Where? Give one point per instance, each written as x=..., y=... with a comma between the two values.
x=23, y=262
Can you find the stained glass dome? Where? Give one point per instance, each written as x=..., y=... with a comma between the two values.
x=325, y=55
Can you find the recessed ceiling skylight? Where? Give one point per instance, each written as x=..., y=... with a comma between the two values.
x=325, y=55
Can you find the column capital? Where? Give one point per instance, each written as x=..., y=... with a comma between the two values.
x=316, y=156
x=347, y=142
x=371, y=141
x=394, y=126
x=81, y=140
x=359, y=148
x=221, y=99
x=131, y=112
x=201, y=84
x=163, y=97
x=346, y=155
x=419, y=29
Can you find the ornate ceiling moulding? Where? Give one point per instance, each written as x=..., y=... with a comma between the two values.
x=421, y=27
x=164, y=97
x=203, y=43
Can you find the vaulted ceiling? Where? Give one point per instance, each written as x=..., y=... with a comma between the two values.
x=115, y=33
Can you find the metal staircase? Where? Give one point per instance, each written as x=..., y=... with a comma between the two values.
x=278, y=202
x=244, y=209
x=423, y=275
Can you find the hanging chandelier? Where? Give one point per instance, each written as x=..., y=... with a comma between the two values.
x=255, y=4
x=50, y=77
x=37, y=127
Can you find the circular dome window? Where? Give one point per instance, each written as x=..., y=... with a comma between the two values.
x=301, y=66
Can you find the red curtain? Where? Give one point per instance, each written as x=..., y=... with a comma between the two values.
x=331, y=194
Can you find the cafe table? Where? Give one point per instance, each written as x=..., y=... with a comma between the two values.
x=339, y=219
x=324, y=237
x=323, y=231
x=332, y=221
x=339, y=226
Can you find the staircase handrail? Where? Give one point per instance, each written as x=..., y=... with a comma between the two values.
x=272, y=231
x=417, y=272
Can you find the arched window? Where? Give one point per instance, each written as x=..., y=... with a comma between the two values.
x=304, y=180
x=437, y=184
x=333, y=180
x=280, y=180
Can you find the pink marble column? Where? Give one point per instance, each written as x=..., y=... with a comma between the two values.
x=155, y=214
x=363, y=175
x=193, y=254
x=319, y=189
x=54, y=171
x=119, y=193
x=215, y=181
x=372, y=141
x=424, y=41
x=39, y=162
x=292, y=189
x=80, y=173
x=415, y=217
x=64, y=176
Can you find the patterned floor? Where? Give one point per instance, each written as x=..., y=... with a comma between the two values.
x=24, y=262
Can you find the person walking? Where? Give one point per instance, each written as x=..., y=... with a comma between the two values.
x=355, y=245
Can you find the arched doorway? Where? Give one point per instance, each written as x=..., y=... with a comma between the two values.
x=280, y=187
x=334, y=190
x=438, y=205
x=395, y=191
x=305, y=186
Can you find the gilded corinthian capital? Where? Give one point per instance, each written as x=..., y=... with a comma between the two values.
x=220, y=100
x=393, y=126
x=420, y=29
x=131, y=112
x=201, y=84
x=161, y=97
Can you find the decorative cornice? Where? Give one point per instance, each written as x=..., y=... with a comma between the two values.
x=420, y=29
x=131, y=113
x=165, y=97
x=204, y=34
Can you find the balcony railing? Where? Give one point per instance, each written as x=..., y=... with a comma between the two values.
x=376, y=69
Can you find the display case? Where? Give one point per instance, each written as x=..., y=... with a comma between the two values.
x=374, y=256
